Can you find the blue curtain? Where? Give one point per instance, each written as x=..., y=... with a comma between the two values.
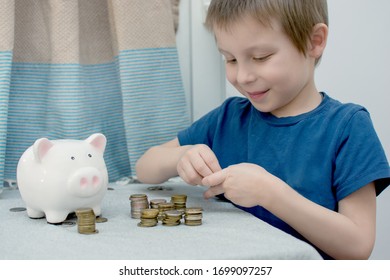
x=72, y=68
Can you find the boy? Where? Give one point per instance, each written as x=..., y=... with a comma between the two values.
x=287, y=153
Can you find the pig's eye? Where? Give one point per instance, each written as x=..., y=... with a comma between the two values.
x=89, y=155
x=72, y=158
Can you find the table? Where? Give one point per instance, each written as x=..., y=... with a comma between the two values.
x=226, y=232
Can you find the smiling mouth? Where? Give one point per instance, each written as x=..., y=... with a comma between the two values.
x=258, y=94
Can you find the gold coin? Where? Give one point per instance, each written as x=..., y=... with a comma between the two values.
x=90, y=232
x=193, y=217
x=193, y=223
x=179, y=197
x=101, y=219
x=193, y=210
x=144, y=225
x=171, y=224
x=149, y=213
x=137, y=196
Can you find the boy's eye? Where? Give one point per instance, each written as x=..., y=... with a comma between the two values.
x=231, y=60
x=263, y=58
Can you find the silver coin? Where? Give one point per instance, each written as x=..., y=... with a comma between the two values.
x=68, y=223
x=159, y=188
x=17, y=209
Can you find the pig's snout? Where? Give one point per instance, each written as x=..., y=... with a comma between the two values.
x=86, y=182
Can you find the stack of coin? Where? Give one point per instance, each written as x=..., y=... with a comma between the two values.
x=148, y=218
x=193, y=216
x=138, y=203
x=172, y=218
x=155, y=202
x=163, y=207
x=179, y=200
x=86, y=221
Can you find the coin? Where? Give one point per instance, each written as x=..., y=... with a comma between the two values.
x=149, y=217
x=137, y=204
x=179, y=198
x=101, y=219
x=155, y=202
x=17, y=209
x=140, y=224
x=172, y=218
x=193, y=223
x=193, y=216
x=90, y=232
x=68, y=223
x=137, y=196
x=193, y=210
x=149, y=213
x=86, y=220
x=159, y=188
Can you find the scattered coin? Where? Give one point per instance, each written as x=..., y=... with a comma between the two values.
x=159, y=188
x=68, y=223
x=101, y=219
x=17, y=209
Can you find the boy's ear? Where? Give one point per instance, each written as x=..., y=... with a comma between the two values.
x=318, y=39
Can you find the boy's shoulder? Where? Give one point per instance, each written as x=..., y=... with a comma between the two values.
x=337, y=109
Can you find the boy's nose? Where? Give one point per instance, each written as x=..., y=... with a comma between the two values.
x=245, y=75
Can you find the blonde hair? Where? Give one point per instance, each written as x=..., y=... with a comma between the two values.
x=297, y=17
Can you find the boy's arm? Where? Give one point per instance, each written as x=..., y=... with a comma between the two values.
x=346, y=234
x=158, y=164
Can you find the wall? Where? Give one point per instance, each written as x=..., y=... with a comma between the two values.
x=354, y=69
x=202, y=70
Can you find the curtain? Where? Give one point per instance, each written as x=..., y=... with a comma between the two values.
x=71, y=68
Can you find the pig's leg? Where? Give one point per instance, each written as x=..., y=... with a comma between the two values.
x=97, y=210
x=34, y=214
x=56, y=217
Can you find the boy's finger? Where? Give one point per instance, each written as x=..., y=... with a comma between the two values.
x=214, y=179
x=212, y=162
x=201, y=166
x=213, y=191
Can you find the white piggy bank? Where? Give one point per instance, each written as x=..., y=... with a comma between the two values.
x=57, y=177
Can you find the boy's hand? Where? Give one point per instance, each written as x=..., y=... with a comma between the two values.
x=196, y=163
x=244, y=184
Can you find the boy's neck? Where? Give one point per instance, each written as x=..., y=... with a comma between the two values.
x=305, y=102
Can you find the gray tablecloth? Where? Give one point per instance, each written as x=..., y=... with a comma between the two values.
x=226, y=233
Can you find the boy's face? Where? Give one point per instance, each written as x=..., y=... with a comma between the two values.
x=264, y=65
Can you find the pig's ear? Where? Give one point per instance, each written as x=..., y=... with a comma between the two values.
x=97, y=140
x=41, y=147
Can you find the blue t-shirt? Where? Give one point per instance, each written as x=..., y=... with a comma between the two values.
x=325, y=154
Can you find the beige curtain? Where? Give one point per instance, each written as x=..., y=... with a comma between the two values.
x=70, y=68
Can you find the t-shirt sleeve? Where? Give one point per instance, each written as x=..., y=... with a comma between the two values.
x=360, y=158
x=203, y=130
